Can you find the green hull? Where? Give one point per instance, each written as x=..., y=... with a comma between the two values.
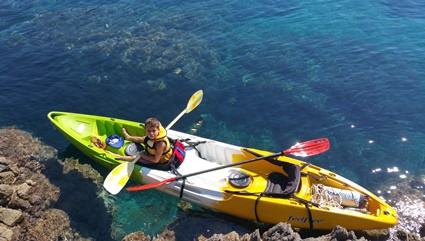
x=79, y=130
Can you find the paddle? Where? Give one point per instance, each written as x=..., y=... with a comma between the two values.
x=191, y=104
x=119, y=176
x=308, y=148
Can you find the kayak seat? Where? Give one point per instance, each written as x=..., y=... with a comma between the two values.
x=133, y=149
x=280, y=185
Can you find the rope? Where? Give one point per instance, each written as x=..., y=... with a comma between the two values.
x=321, y=196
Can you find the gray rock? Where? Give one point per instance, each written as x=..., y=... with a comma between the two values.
x=15, y=169
x=166, y=235
x=136, y=236
x=4, y=160
x=255, y=236
x=2, y=167
x=23, y=190
x=19, y=203
x=30, y=182
x=401, y=235
x=9, y=216
x=5, y=191
x=341, y=234
x=7, y=177
x=246, y=237
x=281, y=231
x=374, y=234
x=232, y=236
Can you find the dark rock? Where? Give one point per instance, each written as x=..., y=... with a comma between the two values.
x=342, y=234
x=5, y=192
x=401, y=235
x=255, y=236
x=281, y=231
x=3, y=167
x=19, y=203
x=374, y=234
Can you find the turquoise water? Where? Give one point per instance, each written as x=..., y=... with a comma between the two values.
x=273, y=73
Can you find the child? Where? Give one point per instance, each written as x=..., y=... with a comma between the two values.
x=156, y=143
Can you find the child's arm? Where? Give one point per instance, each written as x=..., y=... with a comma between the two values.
x=138, y=139
x=120, y=157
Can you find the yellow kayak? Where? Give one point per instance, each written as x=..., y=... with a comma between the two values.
x=269, y=190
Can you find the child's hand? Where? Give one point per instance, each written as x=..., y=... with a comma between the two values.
x=124, y=132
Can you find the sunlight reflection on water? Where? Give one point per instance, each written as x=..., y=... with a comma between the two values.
x=405, y=193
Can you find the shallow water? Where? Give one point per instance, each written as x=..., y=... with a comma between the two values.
x=273, y=73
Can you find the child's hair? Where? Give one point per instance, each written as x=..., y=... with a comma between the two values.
x=152, y=122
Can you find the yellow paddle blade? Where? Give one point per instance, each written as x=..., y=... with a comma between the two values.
x=123, y=181
x=117, y=170
x=118, y=177
x=194, y=100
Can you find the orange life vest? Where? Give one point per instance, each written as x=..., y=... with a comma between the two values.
x=162, y=137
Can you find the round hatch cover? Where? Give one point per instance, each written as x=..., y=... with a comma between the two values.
x=239, y=179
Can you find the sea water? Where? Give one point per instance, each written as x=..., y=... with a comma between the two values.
x=273, y=73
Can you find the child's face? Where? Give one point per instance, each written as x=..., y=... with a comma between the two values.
x=152, y=132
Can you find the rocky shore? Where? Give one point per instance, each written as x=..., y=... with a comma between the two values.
x=27, y=200
x=26, y=195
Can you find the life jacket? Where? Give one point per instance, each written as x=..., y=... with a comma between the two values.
x=162, y=137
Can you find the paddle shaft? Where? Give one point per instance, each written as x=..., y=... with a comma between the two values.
x=193, y=102
x=230, y=165
x=308, y=148
x=175, y=119
x=157, y=184
x=321, y=142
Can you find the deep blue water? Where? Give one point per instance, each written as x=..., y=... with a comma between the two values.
x=273, y=73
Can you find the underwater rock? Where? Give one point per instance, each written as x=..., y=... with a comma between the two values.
x=53, y=224
x=154, y=45
x=19, y=146
x=86, y=170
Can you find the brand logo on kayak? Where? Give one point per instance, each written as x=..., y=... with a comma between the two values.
x=303, y=219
